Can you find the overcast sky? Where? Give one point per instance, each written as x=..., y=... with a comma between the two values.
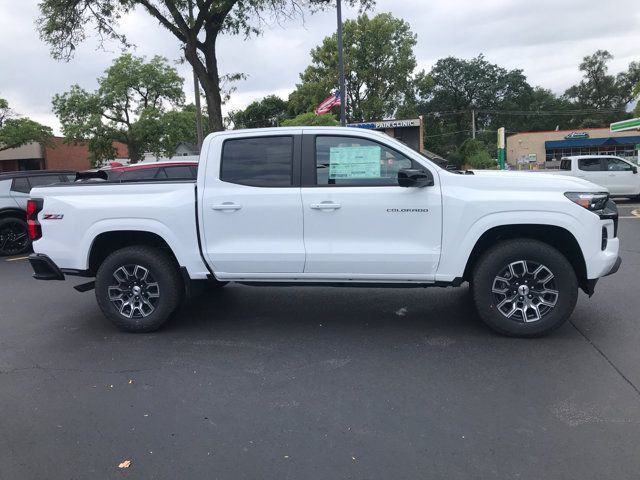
x=545, y=38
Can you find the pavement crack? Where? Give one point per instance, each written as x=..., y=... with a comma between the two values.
x=608, y=360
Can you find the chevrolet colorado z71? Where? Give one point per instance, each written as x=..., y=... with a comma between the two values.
x=329, y=206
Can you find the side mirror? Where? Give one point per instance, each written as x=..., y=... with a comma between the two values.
x=634, y=169
x=415, y=177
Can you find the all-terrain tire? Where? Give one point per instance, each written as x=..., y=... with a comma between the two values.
x=138, y=288
x=505, y=272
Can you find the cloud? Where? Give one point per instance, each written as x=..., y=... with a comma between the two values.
x=545, y=38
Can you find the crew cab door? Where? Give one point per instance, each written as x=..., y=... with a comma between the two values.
x=251, y=211
x=594, y=170
x=358, y=222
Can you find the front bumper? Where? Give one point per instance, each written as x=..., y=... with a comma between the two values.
x=44, y=268
x=616, y=266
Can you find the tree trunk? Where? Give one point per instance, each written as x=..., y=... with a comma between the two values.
x=209, y=78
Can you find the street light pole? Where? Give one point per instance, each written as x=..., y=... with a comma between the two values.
x=343, y=116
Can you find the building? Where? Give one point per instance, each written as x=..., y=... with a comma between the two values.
x=547, y=148
x=409, y=132
x=56, y=155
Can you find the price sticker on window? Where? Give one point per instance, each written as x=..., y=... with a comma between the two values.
x=354, y=162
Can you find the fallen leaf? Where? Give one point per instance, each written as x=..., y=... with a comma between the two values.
x=125, y=464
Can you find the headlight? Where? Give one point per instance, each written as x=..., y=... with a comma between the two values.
x=590, y=201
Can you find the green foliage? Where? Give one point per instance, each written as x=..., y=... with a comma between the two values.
x=481, y=160
x=63, y=24
x=311, y=119
x=16, y=131
x=379, y=64
x=129, y=106
x=636, y=96
x=271, y=111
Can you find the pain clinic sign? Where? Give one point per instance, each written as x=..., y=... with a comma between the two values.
x=415, y=122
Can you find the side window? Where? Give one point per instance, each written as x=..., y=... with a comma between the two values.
x=138, y=174
x=68, y=177
x=590, y=164
x=161, y=174
x=21, y=185
x=355, y=161
x=617, y=165
x=179, y=172
x=565, y=164
x=258, y=162
x=43, y=180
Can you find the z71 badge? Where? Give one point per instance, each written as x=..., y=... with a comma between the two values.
x=53, y=216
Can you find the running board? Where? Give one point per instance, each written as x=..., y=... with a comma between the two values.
x=85, y=287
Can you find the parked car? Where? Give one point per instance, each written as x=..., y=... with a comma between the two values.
x=14, y=193
x=162, y=170
x=616, y=174
x=330, y=206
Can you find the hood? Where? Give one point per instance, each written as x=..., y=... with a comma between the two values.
x=510, y=180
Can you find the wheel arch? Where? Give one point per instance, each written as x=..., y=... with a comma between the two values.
x=12, y=212
x=558, y=237
x=106, y=243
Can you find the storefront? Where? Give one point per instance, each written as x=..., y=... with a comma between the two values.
x=545, y=149
x=409, y=132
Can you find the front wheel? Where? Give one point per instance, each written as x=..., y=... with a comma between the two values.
x=138, y=288
x=524, y=288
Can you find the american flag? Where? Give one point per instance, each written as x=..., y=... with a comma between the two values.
x=328, y=103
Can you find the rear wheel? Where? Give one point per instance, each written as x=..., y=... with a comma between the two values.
x=138, y=288
x=14, y=238
x=524, y=288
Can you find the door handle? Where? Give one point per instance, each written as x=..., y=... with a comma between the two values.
x=226, y=206
x=612, y=174
x=325, y=206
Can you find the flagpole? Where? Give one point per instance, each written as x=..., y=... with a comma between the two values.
x=343, y=118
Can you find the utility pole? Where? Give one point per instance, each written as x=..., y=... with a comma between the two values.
x=473, y=124
x=343, y=116
x=196, y=90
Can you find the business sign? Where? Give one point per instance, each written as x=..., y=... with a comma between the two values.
x=386, y=124
x=624, y=125
x=576, y=136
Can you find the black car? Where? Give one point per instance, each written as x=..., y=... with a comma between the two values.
x=14, y=193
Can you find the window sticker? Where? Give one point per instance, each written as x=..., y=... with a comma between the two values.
x=354, y=162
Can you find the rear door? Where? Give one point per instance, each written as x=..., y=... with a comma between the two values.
x=358, y=222
x=621, y=177
x=251, y=207
x=593, y=170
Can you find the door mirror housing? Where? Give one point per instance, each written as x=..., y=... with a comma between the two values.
x=634, y=169
x=415, y=177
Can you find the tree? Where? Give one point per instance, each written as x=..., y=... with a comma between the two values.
x=379, y=64
x=599, y=90
x=16, y=131
x=457, y=86
x=313, y=120
x=636, y=96
x=196, y=24
x=268, y=112
x=128, y=107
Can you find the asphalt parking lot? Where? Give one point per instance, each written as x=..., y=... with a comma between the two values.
x=318, y=383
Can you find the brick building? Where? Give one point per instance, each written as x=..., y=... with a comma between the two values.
x=57, y=155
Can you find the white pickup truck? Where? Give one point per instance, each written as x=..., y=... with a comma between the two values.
x=619, y=176
x=329, y=206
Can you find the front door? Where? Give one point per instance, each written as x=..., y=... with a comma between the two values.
x=621, y=179
x=251, y=207
x=358, y=223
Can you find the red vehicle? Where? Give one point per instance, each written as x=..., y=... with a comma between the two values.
x=164, y=170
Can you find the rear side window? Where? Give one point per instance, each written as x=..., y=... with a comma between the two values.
x=258, y=162
x=590, y=164
x=139, y=174
x=179, y=172
x=21, y=185
x=565, y=164
x=43, y=180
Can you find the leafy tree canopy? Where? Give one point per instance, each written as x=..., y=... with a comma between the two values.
x=196, y=25
x=129, y=106
x=271, y=111
x=313, y=120
x=16, y=131
x=379, y=64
